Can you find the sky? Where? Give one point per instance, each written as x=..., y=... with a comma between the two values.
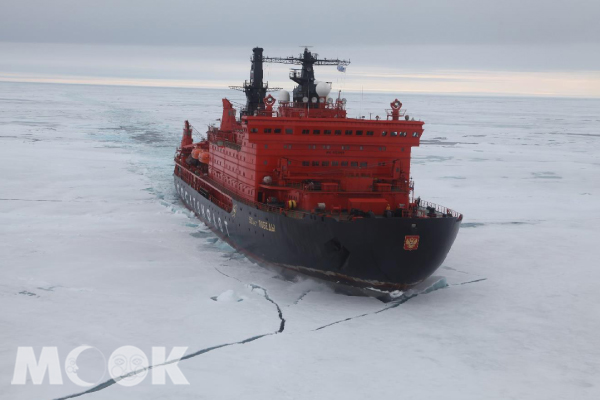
x=526, y=47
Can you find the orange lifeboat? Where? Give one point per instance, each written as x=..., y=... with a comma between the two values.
x=201, y=155
x=204, y=157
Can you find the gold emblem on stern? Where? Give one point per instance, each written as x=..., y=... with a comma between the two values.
x=411, y=242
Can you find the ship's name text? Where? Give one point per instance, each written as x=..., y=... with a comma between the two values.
x=262, y=224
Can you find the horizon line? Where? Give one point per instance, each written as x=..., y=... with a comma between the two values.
x=191, y=84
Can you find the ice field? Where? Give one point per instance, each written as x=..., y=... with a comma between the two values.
x=95, y=249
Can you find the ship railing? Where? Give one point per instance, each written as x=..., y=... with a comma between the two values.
x=233, y=146
x=302, y=110
x=336, y=105
x=266, y=113
x=218, y=136
x=424, y=205
x=205, y=181
x=401, y=113
x=196, y=182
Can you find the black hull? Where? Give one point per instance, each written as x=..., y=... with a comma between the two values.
x=366, y=252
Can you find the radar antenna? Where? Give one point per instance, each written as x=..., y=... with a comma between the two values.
x=305, y=77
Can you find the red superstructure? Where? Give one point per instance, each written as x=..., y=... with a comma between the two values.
x=314, y=159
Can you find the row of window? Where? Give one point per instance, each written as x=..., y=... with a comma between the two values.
x=355, y=164
x=326, y=147
x=337, y=132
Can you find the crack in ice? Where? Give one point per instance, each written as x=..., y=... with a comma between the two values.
x=266, y=296
x=300, y=298
x=111, y=382
x=464, y=283
x=440, y=284
x=224, y=274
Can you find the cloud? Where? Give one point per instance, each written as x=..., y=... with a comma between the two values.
x=280, y=22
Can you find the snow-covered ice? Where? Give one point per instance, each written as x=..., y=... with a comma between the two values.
x=95, y=249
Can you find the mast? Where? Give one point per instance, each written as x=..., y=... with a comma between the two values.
x=306, y=91
x=255, y=89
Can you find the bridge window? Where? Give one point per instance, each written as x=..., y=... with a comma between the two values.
x=327, y=132
x=289, y=131
x=305, y=131
x=305, y=163
x=369, y=133
x=394, y=134
x=267, y=130
x=359, y=133
x=254, y=130
x=354, y=164
x=338, y=132
x=344, y=163
x=363, y=164
x=325, y=163
x=361, y=147
x=277, y=130
x=382, y=148
x=381, y=164
x=265, y=162
x=345, y=147
x=266, y=146
x=315, y=163
x=349, y=132
x=383, y=133
x=312, y=146
x=326, y=147
x=316, y=132
x=334, y=163
x=416, y=134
